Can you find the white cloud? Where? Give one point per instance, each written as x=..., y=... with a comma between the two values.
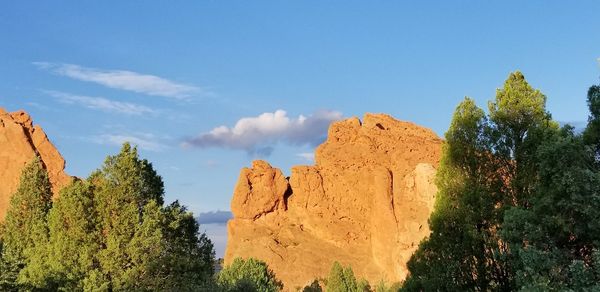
x=38, y=106
x=125, y=80
x=257, y=135
x=147, y=142
x=308, y=156
x=101, y=103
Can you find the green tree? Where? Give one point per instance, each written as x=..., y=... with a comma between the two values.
x=453, y=257
x=314, y=286
x=24, y=229
x=145, y=246
x=168, y=253
x=72, y=223
x=363, y=286
x=486, y=168
x=248, y=275
x=108, y=233
x=341, y=279
x=382, y=286
x=189, y=256
x=123, y=187
x=555, y=239
x=591, y=135
x=145, y=251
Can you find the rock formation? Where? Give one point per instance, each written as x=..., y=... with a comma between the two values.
x=364, y=203
x=20, y=140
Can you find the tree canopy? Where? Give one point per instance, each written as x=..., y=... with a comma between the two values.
x=517, y=200
x=248, y=275
x=25, y=228
x=517, y=208
x=110, y=232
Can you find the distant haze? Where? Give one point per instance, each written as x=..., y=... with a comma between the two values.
x=214, y=217
x=214, y=224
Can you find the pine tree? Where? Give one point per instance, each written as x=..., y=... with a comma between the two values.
x=123, y=187
x=108, y=233
x=555, y=239
x=591, y=135
x=73, y=239
x=189, y=255
x=248, y=275
x=486, y=168
x=340, y=279
x=24, y=230
x=145, y=251
x=453, y=258
x=143, y=245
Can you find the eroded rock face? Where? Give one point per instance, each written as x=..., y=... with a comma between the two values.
x=20, y=140
x=260, y=190
x=364, y=203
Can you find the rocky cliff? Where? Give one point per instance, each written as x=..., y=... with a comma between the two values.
x=20, y=140
x=364, y=203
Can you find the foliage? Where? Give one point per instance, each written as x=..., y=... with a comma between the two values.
x=342, y=279
x=486, y=168
x=363, y=286
x=591, y=135
x=72, y=223
x=517, y=209
x=555, y=239
x=109, y=232
x=314, y=286
x=248, y=275
x=518, y=200
x=25, y=229
x=190, y=255
x=382, y=286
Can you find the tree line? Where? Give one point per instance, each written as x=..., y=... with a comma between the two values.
x=109, y=232
x=517, y=208
x=518, y=205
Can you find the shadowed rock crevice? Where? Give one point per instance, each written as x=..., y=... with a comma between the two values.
x=364, y=203
x=286, y=195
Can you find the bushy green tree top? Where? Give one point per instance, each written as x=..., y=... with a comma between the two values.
x=342, y=279
x=555, y=239
x=24, y=227
x=591, y=134
x=108, y=233
x=484, y=170
x=517, y=201
x=248, y=275
x=28, y=207
x=130, y=178
x=517, y=107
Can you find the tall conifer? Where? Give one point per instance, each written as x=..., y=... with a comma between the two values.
x=24, y=229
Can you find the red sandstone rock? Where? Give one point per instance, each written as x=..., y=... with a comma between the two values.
x=261, y=190
x=20, y=140
x=365, y=203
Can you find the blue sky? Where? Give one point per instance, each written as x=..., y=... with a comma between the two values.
x=167, y=75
